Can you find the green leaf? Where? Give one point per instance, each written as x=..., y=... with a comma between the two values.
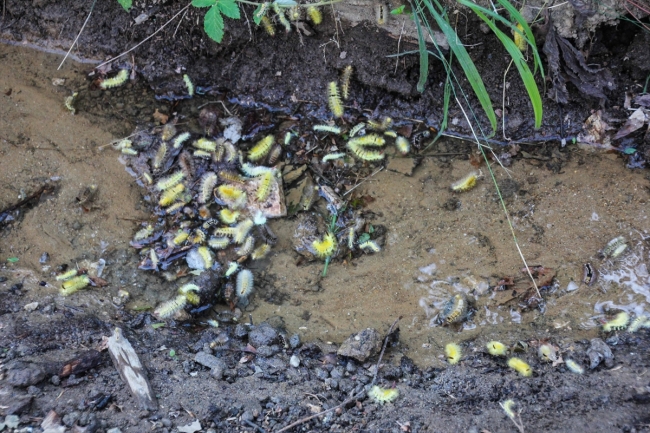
x=424, y=56
x=398, y=11
x=126, y=4
x=257, y=14
x=213, y=24
x=172, y=353
x=229, y=8
x=203, y=3
x=466, y=63
x=530, y=38
x=520, y=62
x=364, y=237
x=158, y=325
x=12, y=259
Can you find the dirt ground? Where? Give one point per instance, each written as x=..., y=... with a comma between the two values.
x=565, y=204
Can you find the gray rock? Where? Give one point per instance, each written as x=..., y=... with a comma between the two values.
x=294, y=341
x=70, y=418
x=22, y=374
x=114, y=430
x=12, y=421
x=362, y=345
x=262, y=335
x=322, y=374
x=267, y=351
x=294, y=361
x=216, y=365
x=241, y=330
x=598, y=352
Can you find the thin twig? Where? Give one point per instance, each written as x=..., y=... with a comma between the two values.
x=398, y=44
x=355, y=396
x=365, y=179
x=503, y=103
x=179, y=24
x=79, y=34
x=147, y=38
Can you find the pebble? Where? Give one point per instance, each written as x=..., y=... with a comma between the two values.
x=294, y=341
x=114, y=430
x=31, y=306
x=262, y=335
x=294, y=361
x=362, y=345
x=22, y=374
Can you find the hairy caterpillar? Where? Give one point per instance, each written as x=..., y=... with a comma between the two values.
x=232, y=268
x=244, y=283
x=295, y=13
x=171, y=307
x=232, y=196
x=391, y=134
x=205, y=144
x=228, y=216
x=385, y=123
x=496, y=348
x=261, y=149
x=466, y=183
x=204, y=211
x=147, y=177
x=520, y=367
x=574, y=366
x=231, y=151
x=383, y=395
x=509, y=407
x=67, y=275
x=174, y=208
x=356, y=129
x=242, y=230
x=264, y=187
x=614, y=248
x=206, y=255
x=116, y=81
x=453, y=353
x=191, y=293
x=246, y=247
x=325, y=247
x=518, y=36
x=170, y=195
x=202, y=154
x=168, y=131
x=370, y=246
x=189, y=85
x=639, y=321
x=332, y=156
x=315, y=15
x=345, y=81
x=160, y=156
x=618, y=323
x=231, y=176
x=259, y=218
x=454, y=310
x=327, y=128
x=208, y=183
x=275, y=154
x=226, y=232
x=402, y=144
x=69, y=102
x=251, y=170
x=143, y=233
x=181, y=236
x=129, y=151
x=170, y=181
x=336, y=106
x=154, y=258
x=381, y=11
x=547, y=353
x=198, y=237
x=281, y=16
x=351, y=238
x=260, y=252
x=365, y=154
x=367, y=140
x=73, y=284
x=180, y=139
x=287, y=138
x=218, y=243
x=262, y=10
x=268, y=25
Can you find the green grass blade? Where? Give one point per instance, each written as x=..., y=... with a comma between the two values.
x=528, y=33
x=466, y=63
x=520, y=62
x=424, y=55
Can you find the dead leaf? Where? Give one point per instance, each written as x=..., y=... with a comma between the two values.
x=160, y=117
x=634, y=122
x=314, y=408
x=594, y=132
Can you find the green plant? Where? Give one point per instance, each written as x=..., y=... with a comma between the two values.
x=126, y=4
x=213, y=20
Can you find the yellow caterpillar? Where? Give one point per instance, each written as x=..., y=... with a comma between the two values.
x=264, y=187
x=67, y=275
x=325, y=247
x=315, y=15
x=618, y=323
x=191, y=293
x=226, y=232
x=228, y=216
x=218, y=243
x=262, y=148
x=116, y=81
x=170, y=181
x=268, y=26
x=466, y=183
x=208, y=183
x=169, y=308
x=281, y=16
x=234, y=197
x=345, y=81
x=383, y=395
x=260, y=252
x=402, y=144
x=198, y=237
x=181, y=236
x=574, y=366
x=205, y=144
x=519, y=39
x=206, y=255
x=496, y=348
x=247, y=246
x=170, y=195
x=453, y=353
x=370, y=246
x=520, y=367
x=168, y=131
x=143, y=233
x=373, y=140
x=160, y=156
x=365, y=154
x=180, y=139
x=73, y=284
x=241, y=231
x=336, y=106
x=188, y=84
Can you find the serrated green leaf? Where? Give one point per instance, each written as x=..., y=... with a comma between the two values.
x=213, y=24
x=126, y=4
x=257, y=14
x=229, y=8
x=398, y=11
x=203, y=3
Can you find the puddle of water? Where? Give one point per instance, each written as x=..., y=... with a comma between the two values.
x=561, y=220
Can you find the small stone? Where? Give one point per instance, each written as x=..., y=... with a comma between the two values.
x=294, y=341
x=12, y=421
x=55, y=380
x=114, y=430
x=31, y=306
x=262, y=335
x=294, y=361
x=22, y=374
x=166, y=422
x=361, y=346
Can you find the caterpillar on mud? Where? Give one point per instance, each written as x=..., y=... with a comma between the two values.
x=336, y=106
x=168, y=131
x=618, y=323
x=228, y=216
x=351, y=238
x=454, y=311
x=174, y=208
x=639, y=321
x=170, y=181
x=547, y=353
x=520, y=367
x=509, y=407
x=189, y=84
x=356, y=129
x=332, y=156
x=327, y=128
x=574, y=366
x=242, y=230
x=206, y=255
x=315, y=15
x=453, y=352
x=496, y=348
x=74, y=284
x=181, y=236
x=205, y=144
x=143, y=233
x=466, y=183
x=617, y=244
x=261, y=252
x=373, y=140
x=160, y=156
x=262, y=148
x=365, y=154
x=264, y=187
x=274, y=154
x=382, y=13
x=67, y=275
x=385, y=123
x=116, y=81
x=370, y=246
x=232, y=268
x=208, y=182
x=198, y=237
x=244, y=284
x=69, y=102
x=202, y=154
x=232, y=196
x=170, y=195
x=325, y=247
x=345, y=81
x=251, y=170
x=218, y=243
x=402, y=144
x=180, y=139
x=231, y=176
x=171, y=307
x=229, y=232
x=383, y=395
x=268, y=25
x=246, y=247
x=191, y=293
